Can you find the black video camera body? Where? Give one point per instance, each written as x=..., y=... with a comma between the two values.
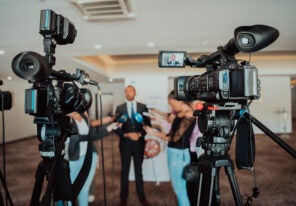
x=54, y=93
x=44, y=99
x=226, y=80
x=221, y=85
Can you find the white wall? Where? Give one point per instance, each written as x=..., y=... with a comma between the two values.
x=17, y=123
x=293, y=92
x=116, y=90
x=273, y=109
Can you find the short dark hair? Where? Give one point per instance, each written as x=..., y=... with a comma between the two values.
x=171, y=95
x=131, y=87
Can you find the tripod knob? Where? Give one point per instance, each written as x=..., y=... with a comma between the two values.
x=256, y=192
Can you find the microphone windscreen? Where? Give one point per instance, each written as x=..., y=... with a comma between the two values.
x=122, y=118
x=138, y=117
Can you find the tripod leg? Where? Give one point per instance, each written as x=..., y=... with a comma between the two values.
x=208, y=191
x=213, y=177
x=39, y=178
x=234, y=185
x=216, y=189
x=273, y=136
x=199, y=188
x=7, y=195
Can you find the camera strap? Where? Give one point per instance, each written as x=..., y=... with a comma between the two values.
x=245, y=144
x=84, y=171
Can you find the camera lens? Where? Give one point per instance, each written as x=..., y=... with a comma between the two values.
x=30, y=66
x=27, y=65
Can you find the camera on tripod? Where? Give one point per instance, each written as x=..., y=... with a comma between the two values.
x=53, y=95
x=225, y=87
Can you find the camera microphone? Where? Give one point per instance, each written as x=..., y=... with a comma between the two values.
x=89, y=81
x=83, y=77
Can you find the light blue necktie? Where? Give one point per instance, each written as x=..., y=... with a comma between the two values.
x=132, y=114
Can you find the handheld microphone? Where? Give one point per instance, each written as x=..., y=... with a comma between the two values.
x=139, y=118
x=123, y=118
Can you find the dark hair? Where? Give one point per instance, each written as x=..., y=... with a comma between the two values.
x=171, y=95
x=131, y=87
x=87, y=98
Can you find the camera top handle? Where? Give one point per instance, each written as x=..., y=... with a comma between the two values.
x=246, y=39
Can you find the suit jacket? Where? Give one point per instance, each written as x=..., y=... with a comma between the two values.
x=176, y=63
x=128, y=126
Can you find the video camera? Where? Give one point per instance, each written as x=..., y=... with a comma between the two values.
x=225, y=87
x=53, y=95
x=50, y=102
x=225, y=79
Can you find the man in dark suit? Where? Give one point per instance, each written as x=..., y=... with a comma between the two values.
x=132, y=143
x=173, y=61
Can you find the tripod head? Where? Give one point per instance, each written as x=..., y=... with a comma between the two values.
x=216, y=122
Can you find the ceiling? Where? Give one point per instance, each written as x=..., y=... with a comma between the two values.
x=191, y=25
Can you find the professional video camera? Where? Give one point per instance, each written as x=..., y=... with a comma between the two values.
x=49, y=103
x=44, y=100
x=225, y=79
x=227, y=88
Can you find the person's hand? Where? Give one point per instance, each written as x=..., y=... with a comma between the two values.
x=108, y=119
x=154, y=132
x=133, y=135
x=113, y=126
x=148, y=130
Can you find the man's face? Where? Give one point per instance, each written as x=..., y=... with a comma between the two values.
x=173, y=57
x=130, y=93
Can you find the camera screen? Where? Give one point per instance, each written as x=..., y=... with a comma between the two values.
x=171, y=59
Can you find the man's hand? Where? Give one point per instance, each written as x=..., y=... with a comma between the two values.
x=135, y=136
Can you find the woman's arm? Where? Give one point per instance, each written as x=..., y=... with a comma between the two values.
x=105, y=120
x=156, y=133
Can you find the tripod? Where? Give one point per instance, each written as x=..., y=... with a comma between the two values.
x=56, y=171
x=216, y=143
x=7, y=195
x=209, y=168
x=53, y=166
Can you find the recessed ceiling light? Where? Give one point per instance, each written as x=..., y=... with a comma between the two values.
x=2, y=52
x=205, y=43
x=151, y=44
x=9, y=78
x=98, y=46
